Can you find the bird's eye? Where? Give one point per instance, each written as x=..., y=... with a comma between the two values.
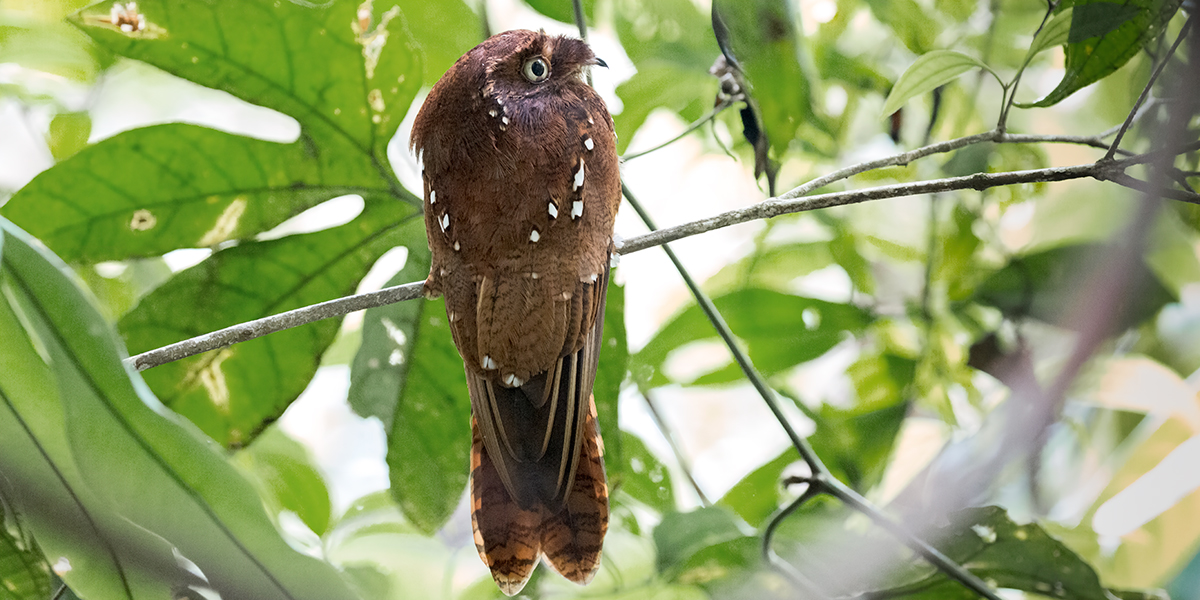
x=536, y=69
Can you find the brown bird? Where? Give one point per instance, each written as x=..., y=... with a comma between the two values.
x=521, y=190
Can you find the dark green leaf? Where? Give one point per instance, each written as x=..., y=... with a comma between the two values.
x=644, y=478
x=1097, y=19
x=409, y=374
x=681, y=535
x=735, y=558
x=231, y=393
x=855, y=444
x=430, y=439
x=153, y=468
x=764, y=38
x=1045, y=285
x=1104, y=36
x=780, y=331
x=610, y=374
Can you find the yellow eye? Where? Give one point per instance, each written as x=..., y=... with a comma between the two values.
x=536, y=69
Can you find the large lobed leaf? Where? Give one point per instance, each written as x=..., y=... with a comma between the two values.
x=348, y=74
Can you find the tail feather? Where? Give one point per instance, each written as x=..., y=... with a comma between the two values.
x=572, y=539
x=507, y=537
x=510, y=539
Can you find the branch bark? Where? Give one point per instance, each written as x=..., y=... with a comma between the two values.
x=794, y=201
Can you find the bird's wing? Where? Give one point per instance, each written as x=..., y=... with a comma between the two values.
x=534, y=432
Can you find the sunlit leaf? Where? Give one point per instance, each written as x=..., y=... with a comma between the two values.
x=930, y=70
x=288, y=479
x=231, y=393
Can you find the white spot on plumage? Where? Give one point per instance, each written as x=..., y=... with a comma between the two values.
x=590, y=121
x=589, y=144
x=492, y=112
x=444, y=221
x=553, y=211
x=432, y=197
x=534, y=236
x=456, y=246
x=504, y=120
x=577, y=209
x=578, y=177
x=513, y=380
x=594, y=277
x=488, y=363
x=534, y=275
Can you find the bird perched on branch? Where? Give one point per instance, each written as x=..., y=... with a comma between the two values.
x=521, y=190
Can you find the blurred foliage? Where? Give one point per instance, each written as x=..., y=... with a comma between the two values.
x=184, y=467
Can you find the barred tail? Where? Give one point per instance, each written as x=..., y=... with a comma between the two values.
x=510, y=539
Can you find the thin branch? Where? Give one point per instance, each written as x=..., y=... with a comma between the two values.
x=764, y=210
x=684, y=464
x=780, y=206
x=260, y=327
x=1149, y=84
x=690, y=128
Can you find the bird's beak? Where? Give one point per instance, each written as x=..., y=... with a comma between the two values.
x=600, y=62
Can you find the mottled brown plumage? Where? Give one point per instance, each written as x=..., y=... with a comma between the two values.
x=521, y=190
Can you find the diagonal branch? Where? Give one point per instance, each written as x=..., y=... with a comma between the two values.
x=1110, y=171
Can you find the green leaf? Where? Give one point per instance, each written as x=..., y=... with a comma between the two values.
x=672, y=66
x=1097, y=19
x=760, y=493
x=916, y=29
x=348, y=88
x=931, y=70
x=69, y=133
x=1045, y=285
x=287, y=478
x=231, y=393
x=109, y=557
x=645, y=478
x=24, y=574
x=1055, y=33
x=389, y=559
x=562, y=10
x=150, y=191
x=191, y=187
x=1104, y=36
x=610, y=374
x=1008, y=555
x=765, y=39
x=409, y=374
x=443, y=29
x=151, y=467
x=780, y=331
x=681, y=535
x=51, y=47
